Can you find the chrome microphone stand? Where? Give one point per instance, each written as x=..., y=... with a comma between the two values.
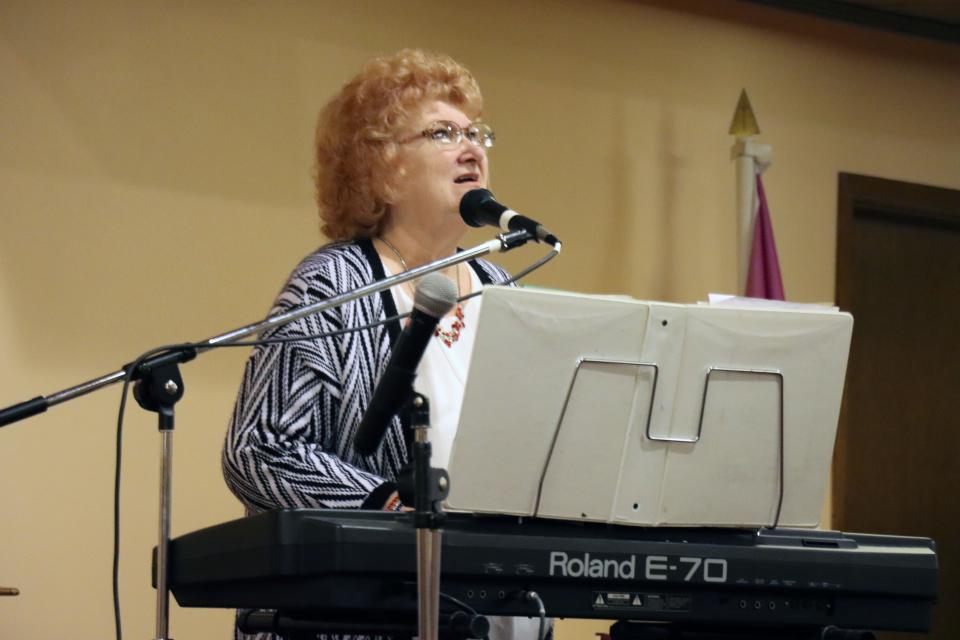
x=158, y=390
x=159, y=387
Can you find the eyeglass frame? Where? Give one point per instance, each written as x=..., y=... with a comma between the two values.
x=459, y=133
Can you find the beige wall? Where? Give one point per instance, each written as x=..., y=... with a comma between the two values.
x=154, y=162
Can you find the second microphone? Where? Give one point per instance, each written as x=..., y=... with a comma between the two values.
x=434, y=298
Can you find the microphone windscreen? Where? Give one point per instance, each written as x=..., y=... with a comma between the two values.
x=435, y=295
x=472, y=209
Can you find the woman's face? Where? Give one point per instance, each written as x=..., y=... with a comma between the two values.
x=438, y=175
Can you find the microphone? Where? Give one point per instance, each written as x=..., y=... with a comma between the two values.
x=435, y=296
x=478, y=208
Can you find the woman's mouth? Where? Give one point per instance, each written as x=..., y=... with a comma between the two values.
x=467, y=178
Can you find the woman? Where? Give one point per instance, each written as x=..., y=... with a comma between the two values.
x=396, y=150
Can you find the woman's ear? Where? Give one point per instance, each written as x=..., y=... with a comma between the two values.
x=393, y=189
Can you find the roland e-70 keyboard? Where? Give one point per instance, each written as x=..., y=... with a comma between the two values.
x=361, y=564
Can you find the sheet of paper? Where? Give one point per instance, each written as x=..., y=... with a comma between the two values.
x=730, y=300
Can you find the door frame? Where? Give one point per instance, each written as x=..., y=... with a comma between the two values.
x=893, y=201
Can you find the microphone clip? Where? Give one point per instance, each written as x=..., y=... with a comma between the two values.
x=418, y=483
x=513, y=239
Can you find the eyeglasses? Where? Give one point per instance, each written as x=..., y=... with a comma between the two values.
x=445, y=133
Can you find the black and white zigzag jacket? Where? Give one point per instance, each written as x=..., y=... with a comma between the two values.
x=290, y=440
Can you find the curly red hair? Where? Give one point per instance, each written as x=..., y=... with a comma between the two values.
x=356, y=147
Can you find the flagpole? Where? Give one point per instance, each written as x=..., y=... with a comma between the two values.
x=750, y=157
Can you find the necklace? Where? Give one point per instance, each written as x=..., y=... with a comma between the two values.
x=447, y=337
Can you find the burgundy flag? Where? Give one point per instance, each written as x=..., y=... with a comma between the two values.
x=763, y=275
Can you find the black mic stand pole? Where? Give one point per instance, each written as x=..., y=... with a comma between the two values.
x=430, y=487
x=160, y=386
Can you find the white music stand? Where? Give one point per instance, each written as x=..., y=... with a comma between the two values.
x=617, y=410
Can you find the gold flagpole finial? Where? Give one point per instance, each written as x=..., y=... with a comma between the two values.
x=744, y=123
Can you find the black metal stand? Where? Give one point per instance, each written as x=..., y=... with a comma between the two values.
x=159, y=388
x=420, y=484
x=426, y=488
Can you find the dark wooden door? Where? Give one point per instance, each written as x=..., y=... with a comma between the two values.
x=897, y=461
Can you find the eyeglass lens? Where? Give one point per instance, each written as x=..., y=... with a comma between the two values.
x=446, y=132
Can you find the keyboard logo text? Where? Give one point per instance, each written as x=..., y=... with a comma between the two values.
x=585, y=566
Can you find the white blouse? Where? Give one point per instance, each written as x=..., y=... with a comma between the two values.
x=442, y=374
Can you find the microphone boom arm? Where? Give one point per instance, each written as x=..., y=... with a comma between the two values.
x=502, y=243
